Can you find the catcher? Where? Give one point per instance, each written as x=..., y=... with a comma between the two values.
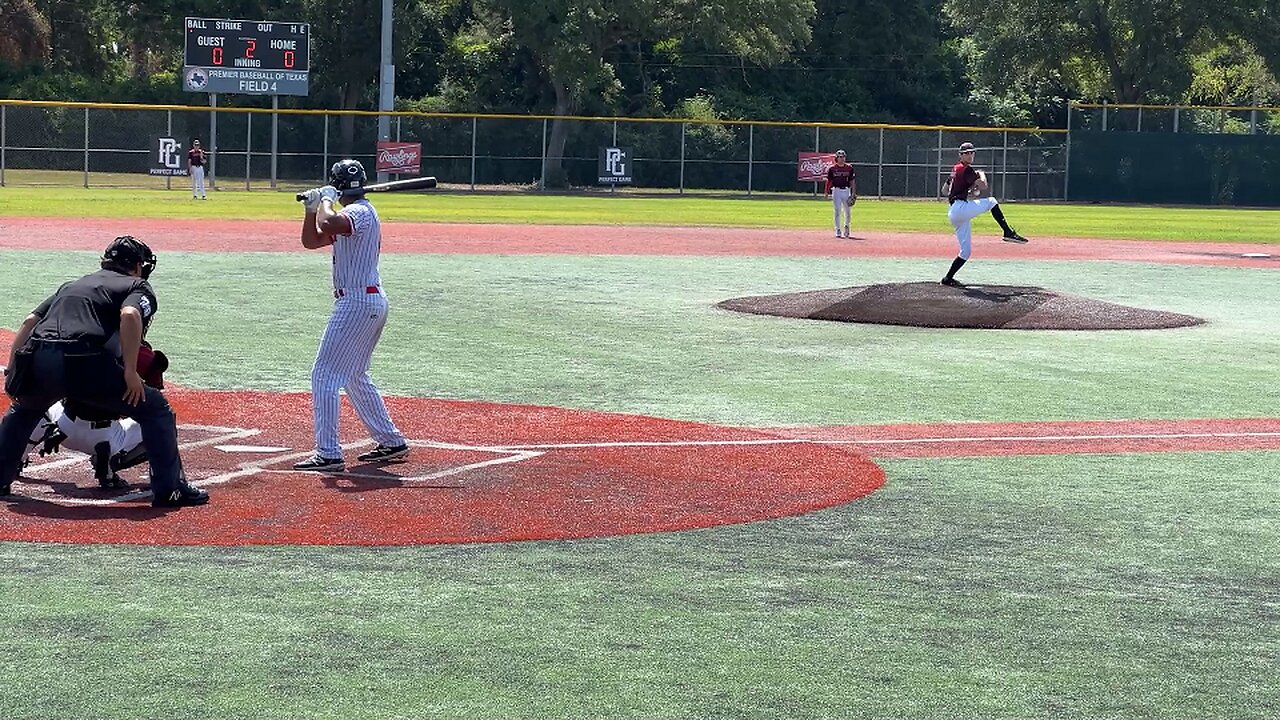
x=112, y=443
x=842, y=188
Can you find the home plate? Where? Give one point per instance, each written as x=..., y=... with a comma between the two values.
x=250, y=448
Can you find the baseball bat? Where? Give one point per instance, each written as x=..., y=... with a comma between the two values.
x=418, y=183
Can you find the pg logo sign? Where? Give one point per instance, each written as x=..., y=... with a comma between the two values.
x=614, y=167
x=167, y=157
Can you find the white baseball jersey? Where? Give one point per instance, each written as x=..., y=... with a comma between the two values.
x=354, y=328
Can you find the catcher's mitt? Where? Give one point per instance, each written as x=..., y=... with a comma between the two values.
x=152, y=365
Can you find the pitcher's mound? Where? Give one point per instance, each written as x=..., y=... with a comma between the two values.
x=930, y=304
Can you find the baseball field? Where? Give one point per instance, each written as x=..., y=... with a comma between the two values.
x=624, y=501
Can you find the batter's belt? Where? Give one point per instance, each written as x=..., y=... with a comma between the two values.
x=343, y=292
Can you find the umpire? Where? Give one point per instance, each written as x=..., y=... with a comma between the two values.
x=82, y=344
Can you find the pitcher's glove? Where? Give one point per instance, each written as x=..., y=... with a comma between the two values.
x=852, y=199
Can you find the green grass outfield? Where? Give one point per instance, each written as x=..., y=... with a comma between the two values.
x=1130, y=586
x=1043, y=219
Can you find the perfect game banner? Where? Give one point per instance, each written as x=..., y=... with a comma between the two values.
x=614, y=166
x=167, y=157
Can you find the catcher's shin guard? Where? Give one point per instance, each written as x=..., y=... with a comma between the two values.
x=126, y=459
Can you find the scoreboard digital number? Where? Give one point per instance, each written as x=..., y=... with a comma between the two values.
x=263, y=57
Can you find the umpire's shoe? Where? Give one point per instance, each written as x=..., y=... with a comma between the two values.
x=385, y=453
x=181, y=496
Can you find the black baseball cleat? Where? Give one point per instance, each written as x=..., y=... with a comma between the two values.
x=102, y=470
x=1014, y=237
x=181, y=496
x=385, y=453
x=5, y=489
x=321, y=464
x=952, y=282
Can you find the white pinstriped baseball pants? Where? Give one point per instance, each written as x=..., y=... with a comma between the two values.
x=342, y=362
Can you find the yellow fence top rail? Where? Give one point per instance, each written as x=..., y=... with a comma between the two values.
x=502, y=116
x=1136, y=106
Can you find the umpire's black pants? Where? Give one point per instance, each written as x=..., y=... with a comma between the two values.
x=47, y=372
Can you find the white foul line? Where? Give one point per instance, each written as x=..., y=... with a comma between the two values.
x=893, y=441
x=517, y=453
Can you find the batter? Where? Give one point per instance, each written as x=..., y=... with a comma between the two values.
x=355, y=326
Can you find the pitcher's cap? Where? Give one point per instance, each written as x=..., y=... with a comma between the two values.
x=966, y=147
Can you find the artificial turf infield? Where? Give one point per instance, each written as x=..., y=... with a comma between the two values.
x=1099, y=586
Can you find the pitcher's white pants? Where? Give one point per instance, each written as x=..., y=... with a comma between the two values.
x=961, y=215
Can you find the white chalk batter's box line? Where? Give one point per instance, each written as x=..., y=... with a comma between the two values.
x=264, y=465
x=520, y=452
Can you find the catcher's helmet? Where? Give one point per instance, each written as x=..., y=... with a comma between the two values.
x=127, y=251
x=348, y=177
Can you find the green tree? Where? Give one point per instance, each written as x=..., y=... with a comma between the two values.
x=569, y=40
x=1028, y=56
x=24, y=33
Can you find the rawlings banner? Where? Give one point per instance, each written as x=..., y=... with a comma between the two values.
x=813, y=166
x=398, y=157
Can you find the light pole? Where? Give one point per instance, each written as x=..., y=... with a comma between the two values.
x=386, y=83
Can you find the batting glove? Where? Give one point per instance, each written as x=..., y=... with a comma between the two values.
x=329, y=191
x=311, y=199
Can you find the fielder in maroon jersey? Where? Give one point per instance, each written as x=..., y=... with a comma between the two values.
x=842, y=188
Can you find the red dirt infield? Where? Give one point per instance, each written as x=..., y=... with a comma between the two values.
x=479, y=472
x=280, y=236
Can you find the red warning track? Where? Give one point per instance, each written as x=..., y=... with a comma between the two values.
x=262, y=236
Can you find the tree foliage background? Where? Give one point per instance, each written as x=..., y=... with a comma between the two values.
x=1013, y=62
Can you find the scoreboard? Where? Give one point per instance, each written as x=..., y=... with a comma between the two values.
x=255, y=57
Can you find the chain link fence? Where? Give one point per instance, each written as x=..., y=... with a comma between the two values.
x=1162, y=154
x=108, y=145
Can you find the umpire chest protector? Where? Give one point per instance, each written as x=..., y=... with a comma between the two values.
x=82, y=322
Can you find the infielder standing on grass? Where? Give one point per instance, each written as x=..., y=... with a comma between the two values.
x=195, y=166
x=359, y=314
x=842, y=188
x=965, y=185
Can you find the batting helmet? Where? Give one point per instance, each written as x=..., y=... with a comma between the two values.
x=127, y=251
x=348, y=177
